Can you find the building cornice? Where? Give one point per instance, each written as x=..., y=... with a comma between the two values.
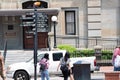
x=10, y=12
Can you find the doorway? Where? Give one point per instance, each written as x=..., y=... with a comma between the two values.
x=29, y=39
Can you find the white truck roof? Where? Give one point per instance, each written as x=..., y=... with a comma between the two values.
x=40, y=52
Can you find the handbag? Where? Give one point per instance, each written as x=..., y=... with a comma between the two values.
x=64, y=67
x=117, y=61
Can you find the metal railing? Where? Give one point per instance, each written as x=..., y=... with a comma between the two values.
x=78, y=42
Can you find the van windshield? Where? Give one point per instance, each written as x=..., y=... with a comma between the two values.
x=29, y=59
x=38, y=58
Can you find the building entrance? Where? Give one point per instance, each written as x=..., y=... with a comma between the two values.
x=29, y=39
x=17, y=36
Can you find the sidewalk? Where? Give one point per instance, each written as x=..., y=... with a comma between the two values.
x=100, y=75
x=106, y=69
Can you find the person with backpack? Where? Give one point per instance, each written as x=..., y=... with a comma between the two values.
x=44, y=65
x=64, y=66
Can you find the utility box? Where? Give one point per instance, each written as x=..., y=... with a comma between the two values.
x=98, y=52
x=81, y=71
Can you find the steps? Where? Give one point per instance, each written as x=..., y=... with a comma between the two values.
x=14, y=56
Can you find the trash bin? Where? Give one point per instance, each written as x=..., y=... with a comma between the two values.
x=98, y=52
x=81, y=71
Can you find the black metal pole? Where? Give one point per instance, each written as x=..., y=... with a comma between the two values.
x=55, y=46
x=35, y=45
x=5, y=50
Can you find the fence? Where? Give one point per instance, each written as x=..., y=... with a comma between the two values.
x=78, y=42
x=106, y=43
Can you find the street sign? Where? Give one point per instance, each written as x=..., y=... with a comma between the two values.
x=42, y=22
x=28, y=20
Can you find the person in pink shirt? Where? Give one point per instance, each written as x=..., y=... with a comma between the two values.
x=115, y=53
x=45, y=73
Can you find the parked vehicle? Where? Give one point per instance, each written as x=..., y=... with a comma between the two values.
x=24, y=70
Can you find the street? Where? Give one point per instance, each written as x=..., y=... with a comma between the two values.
x=94, y=76
x=97, y=75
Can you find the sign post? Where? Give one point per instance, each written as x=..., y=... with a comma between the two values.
x=36, y=4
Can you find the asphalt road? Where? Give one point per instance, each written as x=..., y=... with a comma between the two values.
x=94, y=76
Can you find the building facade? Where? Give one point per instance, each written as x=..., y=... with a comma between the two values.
x=78, y=21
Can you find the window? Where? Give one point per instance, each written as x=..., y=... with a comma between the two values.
x=39, y=57
x=70, y=26
x=57, y=56
x=10, y=27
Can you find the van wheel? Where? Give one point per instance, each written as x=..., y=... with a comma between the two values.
x=21, y=75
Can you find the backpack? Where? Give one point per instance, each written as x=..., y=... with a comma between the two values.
x=43, y=65
x=64, y=66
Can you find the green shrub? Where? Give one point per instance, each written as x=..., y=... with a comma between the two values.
x=106, y=54
x=87, y=52
x=68, y=48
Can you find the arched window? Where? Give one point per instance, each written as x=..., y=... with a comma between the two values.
x=29, y=5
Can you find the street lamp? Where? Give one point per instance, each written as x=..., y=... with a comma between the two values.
x=54, y=19
x=36, y=4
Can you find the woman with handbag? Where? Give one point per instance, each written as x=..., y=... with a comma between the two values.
x=115, y=53
x=64, y=65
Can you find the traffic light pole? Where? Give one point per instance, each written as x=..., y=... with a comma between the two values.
x=35, y=45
